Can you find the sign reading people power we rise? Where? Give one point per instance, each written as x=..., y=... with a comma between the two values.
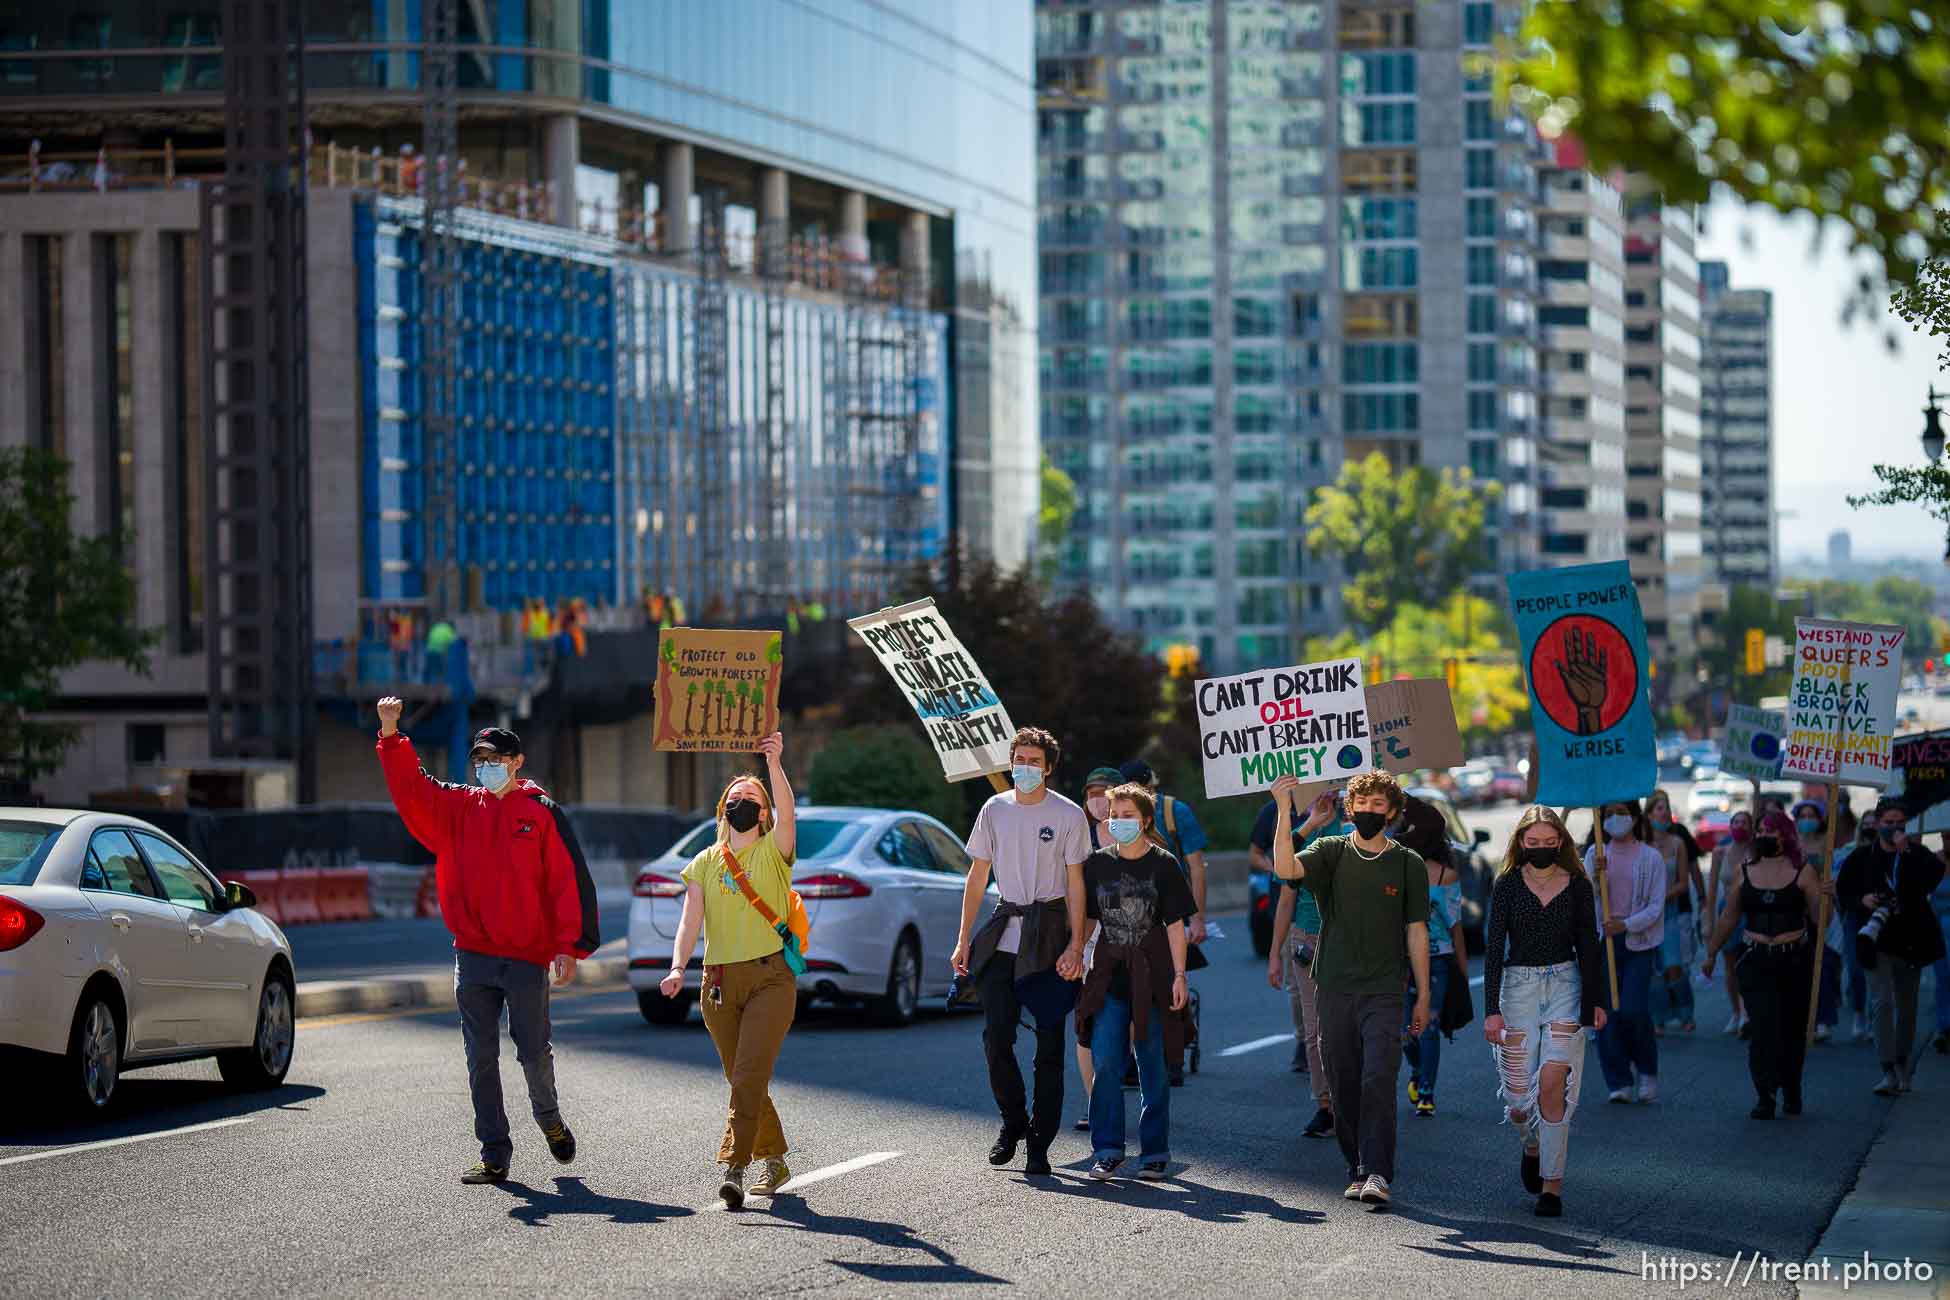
x=1584, y=656
x=964, y=718
x=1310, y=722
x=1842, y=705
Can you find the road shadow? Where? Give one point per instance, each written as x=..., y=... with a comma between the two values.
x=1180, y=1195
x=1470, y=1240
x=572, y=1196
x=792, y=1212
x=145, y=1106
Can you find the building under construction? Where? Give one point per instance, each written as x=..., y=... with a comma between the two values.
x=567, y=334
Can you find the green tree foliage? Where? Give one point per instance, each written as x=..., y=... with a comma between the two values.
x=885, y=767
x=1054, y=662
x=1924, y=304
x=1891, y=599
x=1489, y=696
x=1725, y=656
x=1403, y=538
x=1058, y=507
x=64, y=600
x=1841, y=109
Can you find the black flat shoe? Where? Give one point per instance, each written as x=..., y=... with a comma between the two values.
x=1550, y=1206
x=1037, y=1162
x=1791, y=1101
x=1763, y=1109
x=1004, y=1149
x=1533, y=1181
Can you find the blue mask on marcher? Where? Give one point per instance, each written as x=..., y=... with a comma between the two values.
x=491, y=775
x=1124, y=830
x=1028, y=778
x=1807, y=825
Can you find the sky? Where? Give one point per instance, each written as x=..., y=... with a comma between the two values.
x=1842, y=401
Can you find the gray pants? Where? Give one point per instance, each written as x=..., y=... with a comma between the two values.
x=1302, y=993
x=483, y=986
x=1893, y=984
x=1361, y=1045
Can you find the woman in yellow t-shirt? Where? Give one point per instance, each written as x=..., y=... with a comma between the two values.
x=750, y=995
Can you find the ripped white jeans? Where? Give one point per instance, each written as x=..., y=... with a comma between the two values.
x=1541, y=1007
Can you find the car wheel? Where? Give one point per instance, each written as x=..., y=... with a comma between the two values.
x=93, y=1070
x=264, y=1063
x=664, y=1012
x=903, y=996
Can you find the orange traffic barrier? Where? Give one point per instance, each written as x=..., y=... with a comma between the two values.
x=342, y=894
x=264, y=884
x=298, y=892
x=427, y=903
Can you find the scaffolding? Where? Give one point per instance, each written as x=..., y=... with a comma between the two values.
x=884, y=348
x=440, y=306
x=773, y=517
x=707, y=472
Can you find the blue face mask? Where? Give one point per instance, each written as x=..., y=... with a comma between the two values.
x=1028, y=778
x=1807, y=825
x=491, y=775
x=1124, y=830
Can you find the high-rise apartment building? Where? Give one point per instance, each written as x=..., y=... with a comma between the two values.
x=1662, y=423
x=1274, y=237
x=1737, y=432
x=1581, y=278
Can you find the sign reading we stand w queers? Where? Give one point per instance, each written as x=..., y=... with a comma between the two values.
x=1309, y=722
x=1842, y=706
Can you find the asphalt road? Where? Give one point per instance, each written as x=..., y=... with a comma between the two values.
x=343, y=1183
x=376, y=949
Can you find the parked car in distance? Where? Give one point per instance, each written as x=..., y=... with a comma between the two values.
x=1709, y=826
x=118, y=949
x=1701, y=756
x=883, y=890
x=1670, y=749
x=1473, y=782
x=1717, y=794
x=1506, y=785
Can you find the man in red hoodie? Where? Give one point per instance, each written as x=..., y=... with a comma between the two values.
x=518, y=897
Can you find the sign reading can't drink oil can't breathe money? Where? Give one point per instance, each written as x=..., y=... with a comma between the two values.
x=1309, y=722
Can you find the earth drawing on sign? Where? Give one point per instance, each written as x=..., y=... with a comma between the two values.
x=1584, y=674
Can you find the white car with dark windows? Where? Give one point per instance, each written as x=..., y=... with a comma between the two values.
x=118, y=949
x=883, y=889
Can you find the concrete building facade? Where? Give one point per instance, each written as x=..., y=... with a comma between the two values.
x=1738, y=525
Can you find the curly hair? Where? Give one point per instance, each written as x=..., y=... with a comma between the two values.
x=1036, y=738
x=1377, y=782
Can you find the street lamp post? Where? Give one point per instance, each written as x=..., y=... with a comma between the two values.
x=1933, y=441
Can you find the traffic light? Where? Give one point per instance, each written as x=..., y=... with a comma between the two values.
x=1929, y=665
x=1652, y=668
x=1181, y=660
x=1452, y=673
x=1374, y=670
x=1756, y=652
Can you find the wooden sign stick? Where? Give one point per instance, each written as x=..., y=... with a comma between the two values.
x=1821, y=874
x=1000, y=782
x=1604, y=898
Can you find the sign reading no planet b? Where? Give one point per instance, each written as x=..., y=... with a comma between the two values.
x=964, y=718
x=1842, y=705
x=1310, y=722
x=1584, y=656
x=1752, y=745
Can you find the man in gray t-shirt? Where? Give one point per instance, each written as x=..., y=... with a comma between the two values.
x=1033, y=841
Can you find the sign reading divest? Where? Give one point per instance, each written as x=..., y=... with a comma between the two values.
x=1842, y=705
x=1584, y=656
x=1752, y=744
x=717, y=690
x=1922, y=780
x=1310, y=722
x=964, y=718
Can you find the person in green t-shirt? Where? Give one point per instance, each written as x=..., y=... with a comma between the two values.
x=1374, y=910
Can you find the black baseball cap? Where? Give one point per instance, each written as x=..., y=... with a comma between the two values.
x=499, y=740
x=1139, y=771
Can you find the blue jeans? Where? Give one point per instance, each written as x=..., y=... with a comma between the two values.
x=1110, y=1037
x=1424, y=1054
x=1627, y=1041
x=483, y=987
x=1542, y=1006
x=1674, y=1001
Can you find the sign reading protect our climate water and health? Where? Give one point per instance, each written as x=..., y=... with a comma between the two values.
x=963, y=715
x=1842, y=706
x=1584, y=655
x=1310, y=722
x=1752, y=744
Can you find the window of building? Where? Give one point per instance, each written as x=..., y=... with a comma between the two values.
x=1480, y=261
x=1378, y=218
x=1374, y=315
x=1388, y=122
x=1380, y=413
x=146, y=742
x=1366, y=267
x=1377, y=171
x=1482, y=457
x=1255, y=318
x=1482, y=313
x=1479, y=22
x=184, y=284
x=1479, y=169
x=1560, y=269
x=1390, y=73
x=1577, y=317
x=1481, y=218
x=1377, y=28
x=118, y=383
x=1479, y=123
x=1564, y=543
x=1482, y=363
x=1565, y=498
x=1380, y=363
x=46, y=334
x=1482, y=411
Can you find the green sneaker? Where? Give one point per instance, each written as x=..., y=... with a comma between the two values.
x=483, y=1172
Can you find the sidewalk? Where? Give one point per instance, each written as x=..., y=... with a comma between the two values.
x=1898, y=1212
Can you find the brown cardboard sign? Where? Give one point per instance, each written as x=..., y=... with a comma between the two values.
x=717, y=690
x=1413, y=724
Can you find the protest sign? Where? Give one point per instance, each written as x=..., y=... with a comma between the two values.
x=717, y=689
x=1751, y=746
x=1584, y=656
x=1920, y=777
x=1842, y=703
x=1310, y=722
x=964, y=718
x=1413, y=724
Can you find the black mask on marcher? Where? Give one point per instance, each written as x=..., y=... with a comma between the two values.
x=742, y=814
x=1540, y=856
x=1369, y=824
x=1768, y=846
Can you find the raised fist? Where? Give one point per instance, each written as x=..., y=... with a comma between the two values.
x=389, y=710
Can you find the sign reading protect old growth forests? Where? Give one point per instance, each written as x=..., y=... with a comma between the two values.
x=1584, y=655
x=1310, y=722
x=717, y=690
x=964, y=717
x=1752, y=744
x=1842, y=705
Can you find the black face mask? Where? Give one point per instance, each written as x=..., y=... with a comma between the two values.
x=1539, y=857
x=1369, y=824
x=742, y=814
x=1768, y=846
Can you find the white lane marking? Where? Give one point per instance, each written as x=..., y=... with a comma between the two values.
x=124, y=1141
x=798, y=1181
x=1271, y=1040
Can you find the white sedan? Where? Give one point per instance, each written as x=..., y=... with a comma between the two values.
x=119, y=949
x=883, y=889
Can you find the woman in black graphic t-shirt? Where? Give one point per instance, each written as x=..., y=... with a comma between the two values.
x=1137, y=902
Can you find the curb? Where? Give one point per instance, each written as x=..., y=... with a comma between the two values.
x=344, y=997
